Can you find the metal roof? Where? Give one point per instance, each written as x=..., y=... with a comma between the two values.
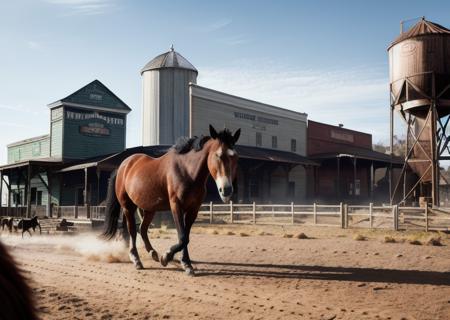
x=358, y=153
x=169, y=59
x=421, y=28
x=245, y=152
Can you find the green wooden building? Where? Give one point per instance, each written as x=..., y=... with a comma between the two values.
x=86, y=125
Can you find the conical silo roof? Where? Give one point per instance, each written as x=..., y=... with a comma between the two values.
x=423, y=27
x=169, y=59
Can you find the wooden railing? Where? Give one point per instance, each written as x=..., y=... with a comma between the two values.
x=342, y=215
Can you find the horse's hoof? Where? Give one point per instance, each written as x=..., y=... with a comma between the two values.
x=188, y=269
x=190, y=272
x=139, y=265
x=164, y=259
x=154, y=255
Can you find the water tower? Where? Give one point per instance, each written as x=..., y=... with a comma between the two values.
x=165, y=109
x=419, y=76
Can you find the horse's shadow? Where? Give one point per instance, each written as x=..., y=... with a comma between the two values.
x=284, y=271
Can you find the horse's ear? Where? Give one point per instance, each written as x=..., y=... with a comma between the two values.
x=236, y=135
x=212, y=132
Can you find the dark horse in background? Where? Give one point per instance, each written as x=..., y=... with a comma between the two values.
x=16, y=298
x=175, y=181
x=27, y=224
x=8, y=222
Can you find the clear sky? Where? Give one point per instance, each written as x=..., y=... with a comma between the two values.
x=325, y=58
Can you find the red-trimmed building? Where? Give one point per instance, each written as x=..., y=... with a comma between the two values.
x=350, y=170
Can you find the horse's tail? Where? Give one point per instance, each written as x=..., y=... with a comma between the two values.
x=112, y=213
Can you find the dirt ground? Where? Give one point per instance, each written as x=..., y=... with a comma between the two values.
x=243, y=272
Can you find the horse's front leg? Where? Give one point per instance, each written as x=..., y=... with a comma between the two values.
x=178, y=218
x=185, y=260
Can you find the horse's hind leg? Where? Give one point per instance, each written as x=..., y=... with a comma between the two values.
x=147, y=218
x=131, y=222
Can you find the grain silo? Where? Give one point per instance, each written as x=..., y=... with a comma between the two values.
x=419, y=66
x=165, y=110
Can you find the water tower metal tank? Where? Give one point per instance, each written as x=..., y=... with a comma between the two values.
x=419, y=76
x=165, y=109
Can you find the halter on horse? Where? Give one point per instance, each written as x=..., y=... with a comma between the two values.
x=175, y=181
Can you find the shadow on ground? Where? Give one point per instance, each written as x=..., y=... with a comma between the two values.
x=322, y=273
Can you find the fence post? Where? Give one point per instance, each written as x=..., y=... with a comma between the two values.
x=254, y=212
x=315, y=212
x=346, y=215
x=341, y=212
x=231, y=211
x=426, y=217
x=292, y=212
x=75, y=212
x=370, y=215
x=395, y=217
x=210, y=212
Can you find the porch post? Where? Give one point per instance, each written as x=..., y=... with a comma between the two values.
x=1, y=188
x=29, y=191
x=98, y=172
x=338, y=187
x=86, y=194
x=372, y=180
x=354, y=178
x=49, y=195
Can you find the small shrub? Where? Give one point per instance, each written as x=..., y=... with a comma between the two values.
x=389, y=239
x=243, y=234
x=301, y=235
x=230, y=233
x=415, y=242
x=359, y=237
x=287, y=235
x=434, y=241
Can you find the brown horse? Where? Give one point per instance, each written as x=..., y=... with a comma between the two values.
x=175, y=181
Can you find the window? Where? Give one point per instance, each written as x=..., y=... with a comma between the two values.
x=291, y=190
x=258, y=139
x=36, y=149
x=254, y=188
x=274, y=142
x=293, y=145
x=39, y=198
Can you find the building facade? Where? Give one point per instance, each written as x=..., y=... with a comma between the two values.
x=88, y=123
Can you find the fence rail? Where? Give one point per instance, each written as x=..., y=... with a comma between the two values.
x=342, y=215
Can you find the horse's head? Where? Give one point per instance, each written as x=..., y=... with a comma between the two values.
x=223, y=160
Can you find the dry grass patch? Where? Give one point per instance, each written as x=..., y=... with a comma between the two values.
x=287, y=235
x=213, y=231
x=243, y=234
x=263, y=233
x=230, y=233
x=415, y=242
x=359, y=237
x=389, y=239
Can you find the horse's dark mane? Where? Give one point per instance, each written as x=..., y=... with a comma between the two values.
x=184, y=144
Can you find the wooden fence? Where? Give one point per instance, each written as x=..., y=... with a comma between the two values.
x=342, y=215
